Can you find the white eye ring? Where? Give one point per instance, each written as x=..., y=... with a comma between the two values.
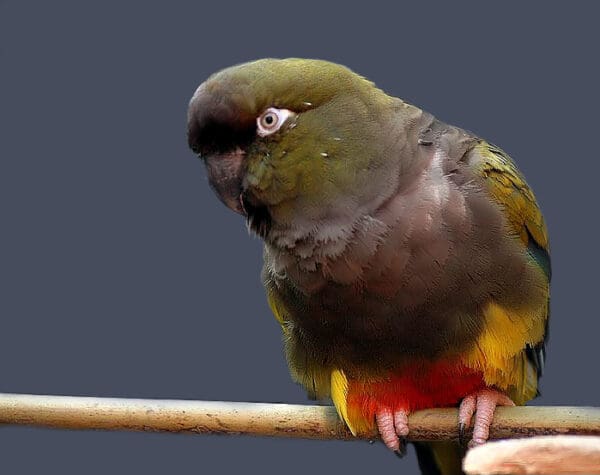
x=271, y=120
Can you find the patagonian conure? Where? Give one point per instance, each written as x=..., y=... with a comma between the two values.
x=405, y=259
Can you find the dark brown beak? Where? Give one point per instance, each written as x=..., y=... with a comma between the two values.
x=225, y=175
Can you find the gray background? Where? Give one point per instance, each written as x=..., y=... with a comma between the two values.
x=122, y=275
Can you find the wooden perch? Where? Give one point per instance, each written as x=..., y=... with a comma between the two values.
x=279, y=420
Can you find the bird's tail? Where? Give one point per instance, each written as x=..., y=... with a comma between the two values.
x=440, y=458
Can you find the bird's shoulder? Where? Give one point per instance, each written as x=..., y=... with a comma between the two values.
x=505, y=184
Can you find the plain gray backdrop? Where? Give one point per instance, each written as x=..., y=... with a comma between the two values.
x=122, y=275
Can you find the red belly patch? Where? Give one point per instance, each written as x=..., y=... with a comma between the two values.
x=418, y=386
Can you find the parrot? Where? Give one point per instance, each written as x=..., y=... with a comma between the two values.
x=406, y=260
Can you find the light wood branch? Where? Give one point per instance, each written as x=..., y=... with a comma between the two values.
x=556, y=455
x=279, y=420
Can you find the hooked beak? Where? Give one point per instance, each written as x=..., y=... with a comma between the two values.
x=225, y=175
x=220, y=128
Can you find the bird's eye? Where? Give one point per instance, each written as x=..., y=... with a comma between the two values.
x=271, y=120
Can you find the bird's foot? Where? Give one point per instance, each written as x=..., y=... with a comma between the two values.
x=393, y=429
x=482, y=404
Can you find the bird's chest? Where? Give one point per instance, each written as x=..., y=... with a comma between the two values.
x=351, y=325
x=398, y=286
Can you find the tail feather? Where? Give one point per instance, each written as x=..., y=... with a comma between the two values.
x=440, y=458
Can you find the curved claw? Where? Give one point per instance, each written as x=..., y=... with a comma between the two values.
x=401, y=452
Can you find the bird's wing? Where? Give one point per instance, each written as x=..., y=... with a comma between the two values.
x=510, y=349
x=508, y=188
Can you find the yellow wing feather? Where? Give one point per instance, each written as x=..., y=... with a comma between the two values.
x=509, y=188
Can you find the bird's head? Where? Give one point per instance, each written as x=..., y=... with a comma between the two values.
x=292, y=141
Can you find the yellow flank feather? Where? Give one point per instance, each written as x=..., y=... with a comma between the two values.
x=498, y=352
x=356, y=422
x=339, y=393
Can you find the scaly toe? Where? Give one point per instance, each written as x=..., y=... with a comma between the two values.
x=387, y=431
x=401, y=422
x=483, y=405
x=393, y=429
x=466, y=410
